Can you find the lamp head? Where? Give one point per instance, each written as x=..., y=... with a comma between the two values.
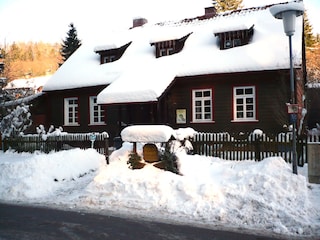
x=288, y=13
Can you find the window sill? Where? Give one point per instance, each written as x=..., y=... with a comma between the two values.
x=203, y=122
x=71, y=125
x=97, y=124
x=244, y=121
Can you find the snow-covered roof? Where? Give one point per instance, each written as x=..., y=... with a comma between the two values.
x=138, y=76
x=147, y=133
x=33, y=83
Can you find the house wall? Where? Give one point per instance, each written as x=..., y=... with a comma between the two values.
x=313, y=116
x=55, y=109
x=272, y=92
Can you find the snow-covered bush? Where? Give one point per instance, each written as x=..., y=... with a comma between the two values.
x=16, y=122
x=52, y=131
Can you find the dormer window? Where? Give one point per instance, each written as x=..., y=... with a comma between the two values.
x=108, y=59
x=110, y=54
x=230, y=39
x=169, y=47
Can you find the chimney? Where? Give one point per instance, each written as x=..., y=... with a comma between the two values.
x=210, y=12
x=138, y=22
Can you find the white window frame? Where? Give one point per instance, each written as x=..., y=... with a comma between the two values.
x=244, y=103
x=96, y=112
x=71, y=111
x=200, y=105
x=165, y=51
x=109, y=59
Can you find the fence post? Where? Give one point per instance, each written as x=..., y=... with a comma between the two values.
x=313, y=162
x=257, y=147
x=106, y=149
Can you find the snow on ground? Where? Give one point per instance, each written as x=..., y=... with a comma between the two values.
x=211, y=192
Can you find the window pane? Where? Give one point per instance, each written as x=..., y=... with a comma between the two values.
x=207, y=102
x=239, y=91
x=249, y=100
x=239, y=108
x=207, y=109
x=249, y=107
x=239, y=114
x=249, y=91
x=239, y=101
x=198, y=94
x=206, y=93
x=198, y=103
x=207, y=116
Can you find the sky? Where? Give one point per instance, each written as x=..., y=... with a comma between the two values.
x=263, y=197
x=48, y=20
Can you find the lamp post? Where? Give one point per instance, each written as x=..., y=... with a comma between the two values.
x=288, y=13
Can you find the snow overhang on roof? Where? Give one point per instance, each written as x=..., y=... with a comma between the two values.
x=163, y=33
x=140, y=84
x=109, y=46
x=236, y=26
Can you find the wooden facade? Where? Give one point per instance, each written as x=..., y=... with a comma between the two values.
x=272, y=94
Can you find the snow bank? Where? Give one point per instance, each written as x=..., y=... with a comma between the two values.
x=258, y=196
x=28, y=176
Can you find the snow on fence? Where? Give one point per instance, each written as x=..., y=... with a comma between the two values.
x=31, y=143
x=248, y=146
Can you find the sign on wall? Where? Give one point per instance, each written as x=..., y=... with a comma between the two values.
x=181, y=116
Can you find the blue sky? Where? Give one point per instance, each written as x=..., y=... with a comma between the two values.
x=48, y=20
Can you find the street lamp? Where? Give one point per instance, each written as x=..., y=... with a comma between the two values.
x=288, y=13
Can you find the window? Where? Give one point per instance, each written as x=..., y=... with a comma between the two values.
x=71, y=111
x=108, y=59
x=169, y=47
x=108, y=55
x=166, y=52
x=96, y=112
x=230, y=39
x=244, y=103
x=202, y=105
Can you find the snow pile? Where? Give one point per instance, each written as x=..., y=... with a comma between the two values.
x=29, y=176
x=263, y=196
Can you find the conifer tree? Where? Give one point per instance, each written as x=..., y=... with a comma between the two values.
x=308, y=35
x=227, y=5
x=70, y=44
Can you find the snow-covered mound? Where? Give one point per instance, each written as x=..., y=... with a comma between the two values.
x=261, y=196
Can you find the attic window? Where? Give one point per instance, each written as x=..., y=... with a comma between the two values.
x=108, y=55
x=169, y=47
x=230, y=39
x=108, y=59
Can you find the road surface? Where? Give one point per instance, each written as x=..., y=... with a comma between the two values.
x=35, y=223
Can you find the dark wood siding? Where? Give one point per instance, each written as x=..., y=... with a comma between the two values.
x=55, y=109
x=272, y=92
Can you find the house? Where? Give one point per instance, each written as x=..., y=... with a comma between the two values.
x=216, y=72
x=24, y=87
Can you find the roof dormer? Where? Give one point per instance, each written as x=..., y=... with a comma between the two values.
x=234, y=38
x=110, y=53
x=169, y=47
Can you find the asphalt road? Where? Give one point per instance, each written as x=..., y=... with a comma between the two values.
x=35, y=223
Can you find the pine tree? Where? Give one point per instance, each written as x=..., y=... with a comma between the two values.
x=70, y=44
x=227, y=5
x=308, y=35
